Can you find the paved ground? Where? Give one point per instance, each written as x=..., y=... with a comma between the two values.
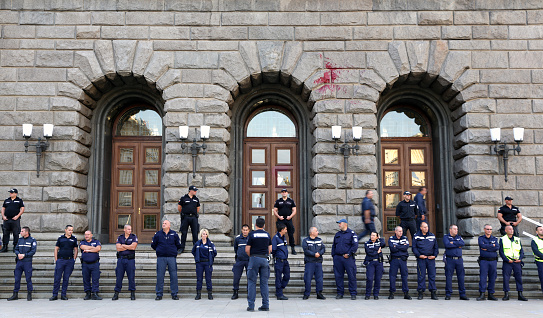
x=224, y=307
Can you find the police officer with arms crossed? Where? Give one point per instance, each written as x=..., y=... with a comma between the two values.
x=126, y=262
x=537, y=249
x=509, y=214
x=453, y=261
x=90, y=266
x=259, y=247
x=280, y=256
x=407, y=210
x=189, y=207
x=204, y=252
x=488, y=263
x=12, y=209
x=313, y=251
x=368, y=214
x=425, y=250
x=65, y=255
x=374, y=264
x=285, y=209
x=344, y=249
x=242, y=259
x=25, y=249
x=512, y=254
x=166, y=244
x=399, y=246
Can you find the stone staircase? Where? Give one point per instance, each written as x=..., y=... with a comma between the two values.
x=222, y=274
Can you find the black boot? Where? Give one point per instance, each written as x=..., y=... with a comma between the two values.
x=505, y=296
x=87, y=296
x=521, y=297
x=4, y=248
x=115, y=296
x=421, y=295
x=320, y=296
x=29, y=296
x=132, y=295
x=481, y=297
x=95, y=296
x=235, y=295
x=198, y=295
x=210, y=295
x=491, y=297
x=391, y=295
x=434, y=294
x=406, y=296
x=15, y=296
x=294, y=251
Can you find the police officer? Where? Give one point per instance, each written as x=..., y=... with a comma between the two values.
x=90, y=266
x=259, y=247
x=512, y=254
x=453, y=261
x=398, y=245
x=344, y=249
x=25, y=250
x=313, y=251
x=421, y=204
x=509, y=215
x=368, y=214
x=204, y=252
x=425, y=250
x=281, y=265
x=166, y=244
x=407, y=210
x=189, y=207
x=126, y=262
x=242, y=259
x=488, y=262
x=374, y=264
x=537, y=249
x=12, y=209
x=65, y=255
x=285, y=209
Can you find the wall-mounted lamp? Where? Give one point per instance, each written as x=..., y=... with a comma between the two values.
x=503, y=149
x=195, y=148
x=345, y=148
x=40, y=145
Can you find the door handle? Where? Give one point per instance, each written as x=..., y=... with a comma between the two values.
x=139, y=210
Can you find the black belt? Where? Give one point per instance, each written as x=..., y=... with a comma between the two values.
x=410, y=219
x=133, y=256
x=189, y=214
x=281, y=259
x=454, y=257
x=260, y=255
x=204, y=260
x=65, y=258
x=488, y=258
x=88, y=263
x=373, y=259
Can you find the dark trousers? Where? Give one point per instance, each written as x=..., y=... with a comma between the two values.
x=419, y=221
x=368, y=228
x=202, y=267
x=19, y=269
x=488, y=269
x=502, y=230
x=426, y=266
x=11, y=226
x=395, y=265
x=540, y=272
x=282, y=276
x=63, y=269
x=258, y=267
x=290, y=230
x=91, y=271
x=187, y=221
x=342, y=265
x=127, y=266
x=450, y=266
x=374, y=273
x=161, y=264
x=410, y=225
x=313, y=269
x=516, y=268
x=237, y=269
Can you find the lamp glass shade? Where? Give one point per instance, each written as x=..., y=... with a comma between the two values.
x=48, y=130
x=518, y=134
x=27, y=130
x=183, y=132
x=495, y=134
x=336, y=132
x=204, y=132
x=357, y=133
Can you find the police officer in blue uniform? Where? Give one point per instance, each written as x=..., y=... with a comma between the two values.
x=12, y=209
x=126, y=262
x=204, y=252
x=281, y=265
x=65, y=256
x=512, y=253
x=374, y=264
x=399, y=246
x=537, y=249
x=344, y=249
x=189, y=207
x=285, y=209
x=488, y=263
x=453, y=261
x=259, y=247
x=313, y=250
x=90, y=266
x=166, y=244
x=368, y=215
x=407, y=210
x=242, y=259
x=421, y=204
x=425, y=250
x=24, y=251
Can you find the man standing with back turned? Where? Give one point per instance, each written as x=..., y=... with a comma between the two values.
x=259, y=247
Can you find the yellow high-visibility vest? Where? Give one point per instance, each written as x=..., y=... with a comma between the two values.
x=511, y=249
x=539, y=243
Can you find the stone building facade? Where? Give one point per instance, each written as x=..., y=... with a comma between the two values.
x=457, y=67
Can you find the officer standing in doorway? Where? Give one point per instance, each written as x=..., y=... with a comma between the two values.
x=512, y=254
x=488, y=263
x=285, y=209
x=259, y=247
x=374, y=264
x=399, y=246
x=189, y=207
x=368, y=215
x=425, y=250
x=407, y=210
x=281, y=265
x=344, y=250
x=421, y=203
x=313, y=251
x=24, y=251
x=12, y=209
x=242, y=259
x=509, y=214
x=126, y=262
x=537, y=249
x=65, y=256
x=453, y=261
x=90, y=266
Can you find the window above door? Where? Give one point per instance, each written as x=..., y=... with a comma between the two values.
x=139, y=121
x=404, y=122
x=271, y=123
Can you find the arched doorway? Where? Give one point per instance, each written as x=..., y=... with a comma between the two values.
x=406, y=161
x=270, y=148
x=136, y=170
